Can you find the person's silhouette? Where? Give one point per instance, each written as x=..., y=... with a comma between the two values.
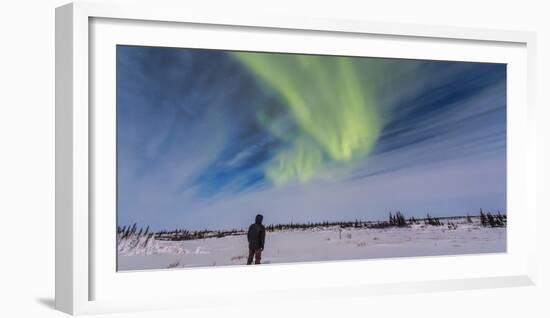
x=256, y=240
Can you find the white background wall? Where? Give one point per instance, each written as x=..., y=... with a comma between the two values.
x=27, y=158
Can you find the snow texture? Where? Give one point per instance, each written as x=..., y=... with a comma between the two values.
x=316, y=244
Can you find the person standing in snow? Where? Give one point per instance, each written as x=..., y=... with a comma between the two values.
x=256, y=240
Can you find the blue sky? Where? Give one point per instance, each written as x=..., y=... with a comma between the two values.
x=207, y=139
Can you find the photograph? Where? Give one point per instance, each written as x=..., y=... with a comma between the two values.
x=235, y=158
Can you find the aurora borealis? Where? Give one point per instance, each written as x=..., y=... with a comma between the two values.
x=330, y=103
x=207, y=138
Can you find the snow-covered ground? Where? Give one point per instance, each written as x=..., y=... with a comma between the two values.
x=320, y=244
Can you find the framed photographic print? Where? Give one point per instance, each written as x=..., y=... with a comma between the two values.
x=312, y=149
x=222, y=150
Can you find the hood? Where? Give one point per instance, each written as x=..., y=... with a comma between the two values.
x=259, y=219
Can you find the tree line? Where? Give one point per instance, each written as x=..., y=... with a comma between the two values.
x=395, y=219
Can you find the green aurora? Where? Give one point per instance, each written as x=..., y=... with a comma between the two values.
x=331, y=101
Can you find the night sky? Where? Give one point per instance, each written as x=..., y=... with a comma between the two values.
x=209, y=138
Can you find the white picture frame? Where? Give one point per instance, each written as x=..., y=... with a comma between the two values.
x=84, y=284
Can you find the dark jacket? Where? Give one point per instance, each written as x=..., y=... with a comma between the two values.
x=256, y=234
